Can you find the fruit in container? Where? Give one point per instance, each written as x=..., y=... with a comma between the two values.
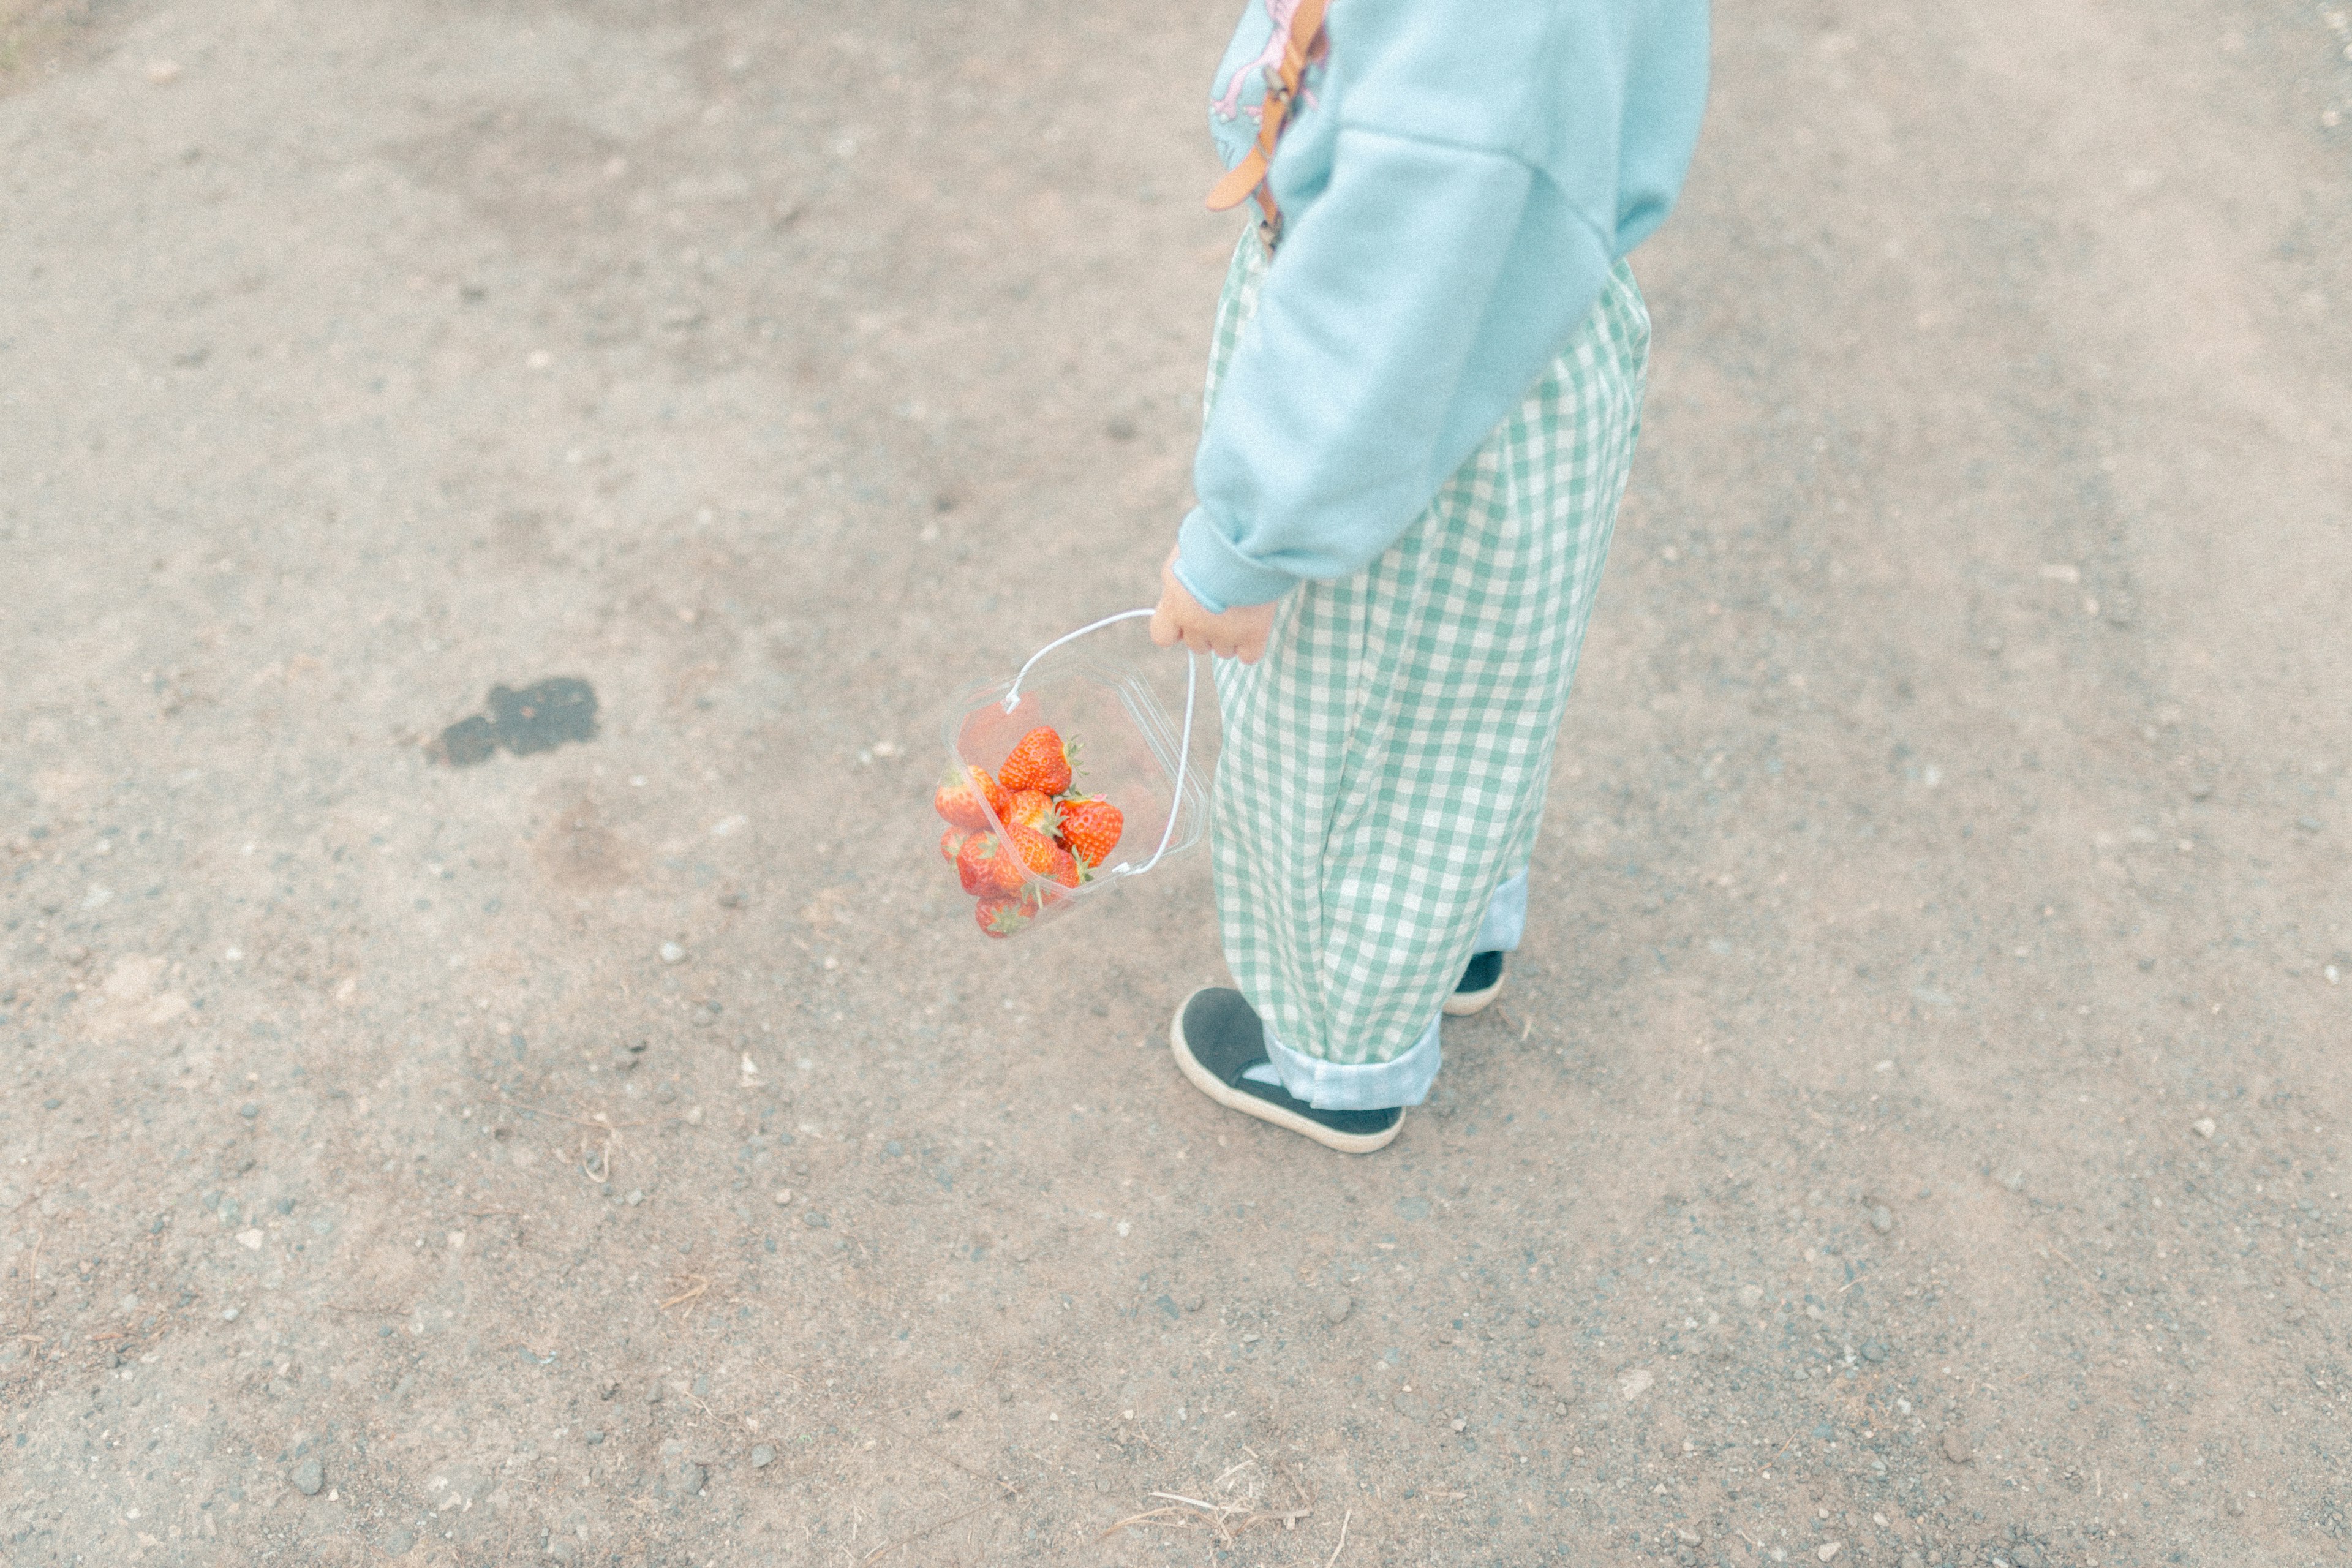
x=1020, y=836
x=1033, y=809
x=966, y=801
x=1040, y=760
x=987, y=865
x=1090, y=827
x=1001, y=914
x=1039, y=854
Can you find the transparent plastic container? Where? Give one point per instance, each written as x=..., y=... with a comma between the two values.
x=1130, y=751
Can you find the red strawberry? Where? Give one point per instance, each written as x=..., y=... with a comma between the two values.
x=1032, y=809
x=1090, y=829
x=952, y=843
x=986, y=867
x=1039, y=762
x=1042, y=855
x=960, y=800
x=1001, y=915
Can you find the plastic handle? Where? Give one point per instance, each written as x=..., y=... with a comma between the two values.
x=1183, y=749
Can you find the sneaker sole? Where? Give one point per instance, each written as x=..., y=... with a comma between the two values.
x=1248, y=1104
x=1463, y=1004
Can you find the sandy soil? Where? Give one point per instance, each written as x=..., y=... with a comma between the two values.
x=1913, y=1133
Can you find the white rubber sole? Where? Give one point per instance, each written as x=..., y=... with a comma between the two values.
x=1463, y=1004
x=1248, y=1104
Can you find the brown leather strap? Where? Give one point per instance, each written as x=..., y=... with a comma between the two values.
x=1302, y=42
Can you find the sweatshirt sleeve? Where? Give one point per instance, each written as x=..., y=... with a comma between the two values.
x=1375, y=364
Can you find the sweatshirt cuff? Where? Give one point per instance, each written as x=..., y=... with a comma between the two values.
x=1220, y=576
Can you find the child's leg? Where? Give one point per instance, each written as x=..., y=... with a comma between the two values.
x=1384, y=766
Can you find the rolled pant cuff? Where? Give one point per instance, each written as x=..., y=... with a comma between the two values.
x=1364, y=1086
x=1506, y=918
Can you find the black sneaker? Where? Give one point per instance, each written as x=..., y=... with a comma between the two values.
x=1479, y=982
x=1216, y=1037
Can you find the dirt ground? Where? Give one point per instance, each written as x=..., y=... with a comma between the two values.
x=1913, y=1134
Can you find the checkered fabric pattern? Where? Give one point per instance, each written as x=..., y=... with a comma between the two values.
x=1384, y=766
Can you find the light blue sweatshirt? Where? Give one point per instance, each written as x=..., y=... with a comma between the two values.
x=1454, y=192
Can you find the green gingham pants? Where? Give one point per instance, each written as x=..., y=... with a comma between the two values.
x=1384, y=764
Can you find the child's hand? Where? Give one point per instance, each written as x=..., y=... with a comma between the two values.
x=1239, y=633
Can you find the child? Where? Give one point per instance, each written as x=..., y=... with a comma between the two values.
x=1423, y=401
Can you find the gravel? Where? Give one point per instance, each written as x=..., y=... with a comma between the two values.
x=1648, y=1157
x=308, y=1477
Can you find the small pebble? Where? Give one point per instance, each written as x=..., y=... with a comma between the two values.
x=2203, y=1126
x=1829, y=1549
x=1337, y=1307
x=249, y=1110
x=593, y=1438
x=1956, y=1445
x=672, y=954
x=308, y=1477
x=228, y=1315
x=1195, y=1301
x=783, y=1196
x=653, y=1395
x=1882, y=1219
x=636, y=1195
x=2309, y=824
x=762, y=1456
x=816, y=1220
x=1872, y=1351
x=1459, y=1424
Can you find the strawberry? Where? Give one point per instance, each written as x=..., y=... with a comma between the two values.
x=1090, y=829
x=1042, y=855
x=1001, y=915
x=1039, y=762
x=1032, y=809
x=952, y=843
x=986, y=867
x=961, y=800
